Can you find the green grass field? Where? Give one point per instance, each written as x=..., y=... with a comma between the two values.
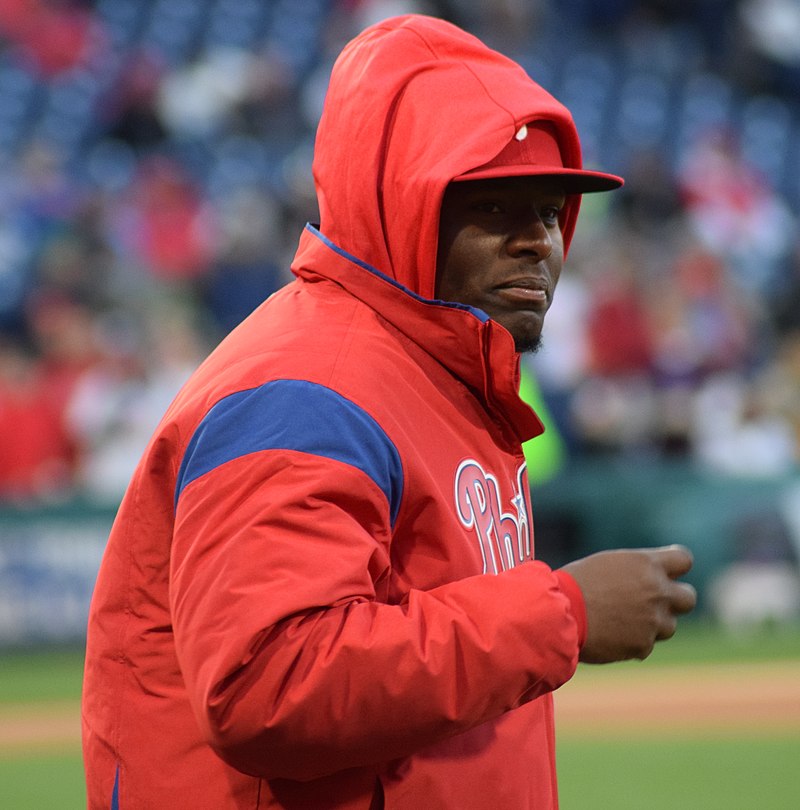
x=753, y=773
x=43, y=781
x=719, y=771
x=723, y=770
x=51, y=777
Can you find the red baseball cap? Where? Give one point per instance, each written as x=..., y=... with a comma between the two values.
x=534, y=151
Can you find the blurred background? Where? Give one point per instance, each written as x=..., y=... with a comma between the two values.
x=155, y=176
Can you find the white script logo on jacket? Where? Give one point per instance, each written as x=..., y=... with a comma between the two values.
x=504, y=537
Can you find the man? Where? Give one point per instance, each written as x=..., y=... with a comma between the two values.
x=320, y=589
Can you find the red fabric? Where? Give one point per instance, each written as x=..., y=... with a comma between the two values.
x=424, y=102
x=277, y=637
x=573, y=592
x=534, y=150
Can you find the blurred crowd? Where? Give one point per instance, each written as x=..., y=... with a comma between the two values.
x=155, y=176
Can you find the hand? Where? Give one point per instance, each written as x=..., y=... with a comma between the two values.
x=632, y=600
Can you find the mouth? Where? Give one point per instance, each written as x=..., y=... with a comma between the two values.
x=527, y=292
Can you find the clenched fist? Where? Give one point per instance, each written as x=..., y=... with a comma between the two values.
x=632, y=600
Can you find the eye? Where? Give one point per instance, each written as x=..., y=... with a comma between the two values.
x=550, y=214
x=488, y=207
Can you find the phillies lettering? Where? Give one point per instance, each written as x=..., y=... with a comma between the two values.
x=504, y=537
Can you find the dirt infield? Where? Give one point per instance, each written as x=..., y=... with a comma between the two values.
x=698, y=699
x=600, y=701
x=31, y=727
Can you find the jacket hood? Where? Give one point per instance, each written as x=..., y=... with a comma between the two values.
x=414, y=102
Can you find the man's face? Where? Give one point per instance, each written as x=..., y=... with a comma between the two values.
x=501, y=250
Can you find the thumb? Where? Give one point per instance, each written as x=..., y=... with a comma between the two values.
x=676, y=560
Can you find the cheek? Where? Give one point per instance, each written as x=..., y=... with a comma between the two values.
x=556, y=273
x=455, y=271
x=557, y=260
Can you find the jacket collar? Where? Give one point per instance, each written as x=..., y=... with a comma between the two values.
x=473, y=348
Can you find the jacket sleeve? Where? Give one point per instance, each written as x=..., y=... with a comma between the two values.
x=294, y=666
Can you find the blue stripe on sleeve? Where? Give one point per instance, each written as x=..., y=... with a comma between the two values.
x=294, y=415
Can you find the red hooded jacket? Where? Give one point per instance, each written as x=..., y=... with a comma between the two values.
x=320, y=590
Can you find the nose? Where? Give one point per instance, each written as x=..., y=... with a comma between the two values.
x=530, y=238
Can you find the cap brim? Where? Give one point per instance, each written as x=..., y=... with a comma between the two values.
x=573, y=181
